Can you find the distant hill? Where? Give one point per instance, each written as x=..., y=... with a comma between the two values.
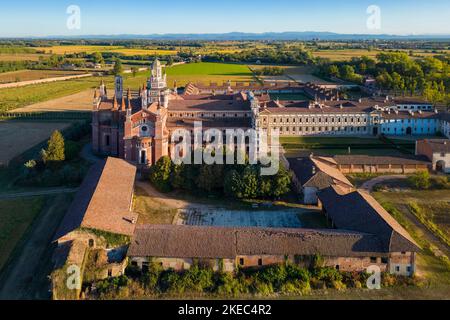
x=268, y=36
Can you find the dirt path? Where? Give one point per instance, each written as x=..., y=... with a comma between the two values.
x=25, y=277
x=427, y=234
x=166, y=199
x=369, y=185
x=37, y=193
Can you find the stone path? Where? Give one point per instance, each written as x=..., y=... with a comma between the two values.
x=369, y=185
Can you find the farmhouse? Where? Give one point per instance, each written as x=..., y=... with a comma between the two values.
x=102, y=203
x=312, y=175
x=229, y=248
x=226, y=249
x=138, y=126
x=437, y=151
x=358, y=211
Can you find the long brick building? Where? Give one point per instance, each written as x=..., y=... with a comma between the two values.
x=137, y=125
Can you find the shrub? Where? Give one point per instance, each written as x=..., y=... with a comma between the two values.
x=229, y=285
x=420, y=180
x=171, y=282
x=294, y=272
x=198, y=279
x=296, y=287
x=275, y=275
x=328, y=275
x=160, y=174
x=261, y=287
x=72, y=150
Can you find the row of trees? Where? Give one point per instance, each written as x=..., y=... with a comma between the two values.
x=297, y=56
x=397, y=72
x=269, y=71
x=237, y=181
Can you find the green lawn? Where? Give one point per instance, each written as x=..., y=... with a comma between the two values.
x=321, y=141
x=209, y=68
x=329, y=146
x=150, y=210
x=16, y=215
x=208, y=72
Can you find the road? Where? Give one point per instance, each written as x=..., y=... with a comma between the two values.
x=369, y=185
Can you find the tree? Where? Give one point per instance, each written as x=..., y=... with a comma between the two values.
x=178, y=177
x=233, y=184
x=160, y=174
x=98, y=58
x=134, y=71
x=420, y=180
x=334, y=71
x=250, y=183
x=55, y=148
x=118, y=68
x=210, y=177
x=281, y=183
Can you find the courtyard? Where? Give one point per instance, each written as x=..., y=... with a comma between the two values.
x=289, y=218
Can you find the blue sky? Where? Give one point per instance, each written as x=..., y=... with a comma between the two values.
x=48, y=17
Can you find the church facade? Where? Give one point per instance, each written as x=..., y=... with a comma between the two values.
x=137, y=126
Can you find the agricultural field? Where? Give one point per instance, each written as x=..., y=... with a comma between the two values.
x=13, y=98
x=18, y=136
x=432, y=262
x=16, y=216
x=68, y=49
x=347, y=54
x=8, y=57
x=81, y=101
x=27, y=75
x=206, y=72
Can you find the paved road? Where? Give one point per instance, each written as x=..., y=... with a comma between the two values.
x=368, y=185
x=37, y=193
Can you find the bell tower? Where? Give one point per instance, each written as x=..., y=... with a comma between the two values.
x=158, y=91
x=119, y=87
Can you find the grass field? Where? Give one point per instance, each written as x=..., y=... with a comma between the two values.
x=21, y=56
x=150, y=210
x=434, y=204
x=26, y=75
x=15, y=218
x=208, y=72
x=12, y=98
x=347, y=54
x=18, y=136
x=328, y=146
x=434, y=269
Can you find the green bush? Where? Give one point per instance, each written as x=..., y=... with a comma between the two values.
x=72, y=150
x=420, y=180
x=296, y=287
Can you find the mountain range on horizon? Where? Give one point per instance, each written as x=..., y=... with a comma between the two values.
x=267, y=36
